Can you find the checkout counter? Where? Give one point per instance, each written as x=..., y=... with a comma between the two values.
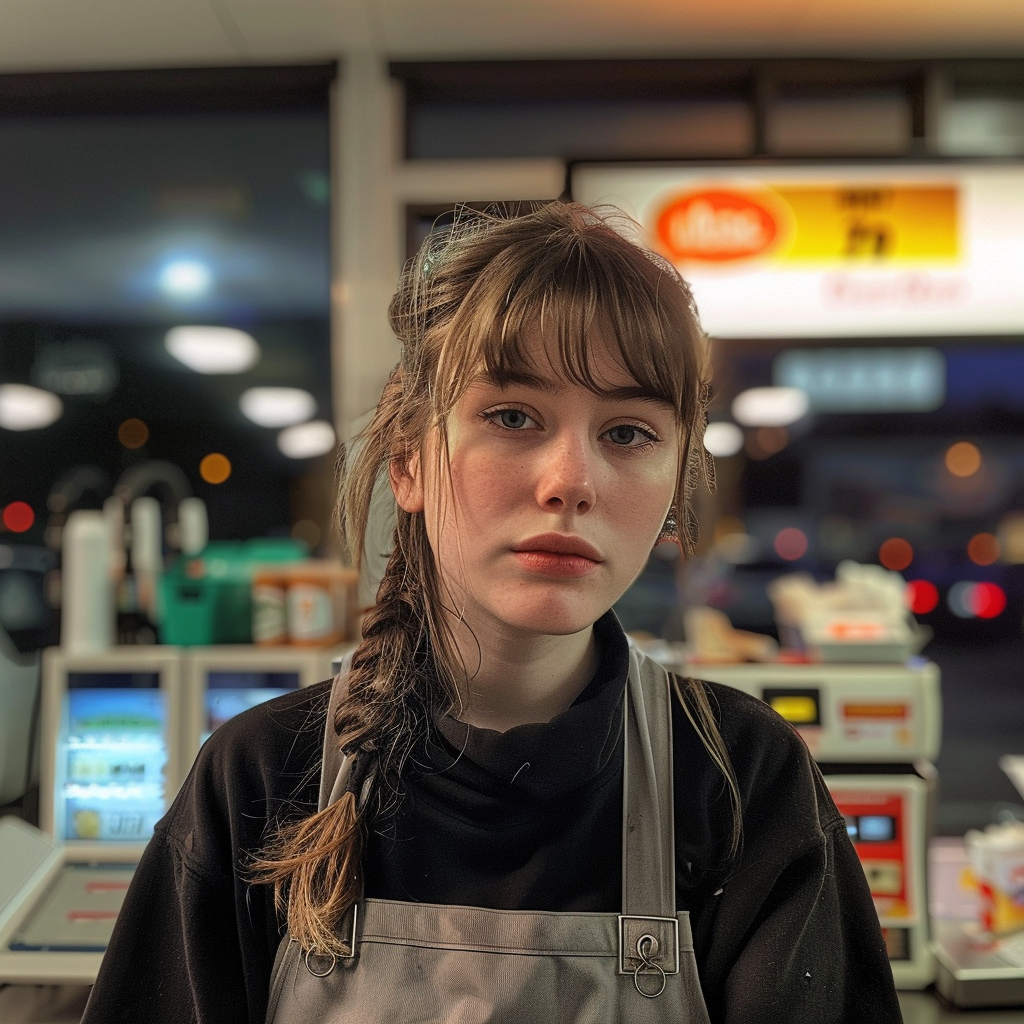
x=119, y=731
x=875, y=731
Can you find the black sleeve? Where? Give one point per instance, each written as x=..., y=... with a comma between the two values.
x=788, y=933
x=195, y=941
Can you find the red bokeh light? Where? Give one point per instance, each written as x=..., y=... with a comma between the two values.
x=790, y=543
x=18, y=516
x=922, y=597
x=988, y=600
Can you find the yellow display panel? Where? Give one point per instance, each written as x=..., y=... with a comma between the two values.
x=878, y=223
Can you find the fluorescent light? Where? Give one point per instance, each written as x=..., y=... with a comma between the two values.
x=307, y=440
x=185, y=278
x=277, y=407
x=770, y=407
x=723, y=439
x=26, y=408
x=213, y=349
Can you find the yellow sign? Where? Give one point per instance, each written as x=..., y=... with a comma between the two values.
x=863, y=225
x=867, y=223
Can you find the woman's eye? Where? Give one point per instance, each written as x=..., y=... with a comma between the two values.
x=510, y=419
x=628, y=436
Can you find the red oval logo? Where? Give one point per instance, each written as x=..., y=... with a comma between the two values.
x=716, y=226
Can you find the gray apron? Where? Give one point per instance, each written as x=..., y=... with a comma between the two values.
x=421, y=963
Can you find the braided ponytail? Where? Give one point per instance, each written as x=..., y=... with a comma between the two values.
x=465, y=305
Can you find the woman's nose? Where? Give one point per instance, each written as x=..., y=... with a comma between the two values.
x=566, y=481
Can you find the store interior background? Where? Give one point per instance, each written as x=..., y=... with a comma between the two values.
x=299, y=151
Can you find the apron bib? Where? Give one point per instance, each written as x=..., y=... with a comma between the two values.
x=421, y=963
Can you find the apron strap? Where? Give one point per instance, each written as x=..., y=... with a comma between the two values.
x=648, y=835
x=334, y=770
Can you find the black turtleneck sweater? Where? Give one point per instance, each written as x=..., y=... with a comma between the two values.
x=527, y=819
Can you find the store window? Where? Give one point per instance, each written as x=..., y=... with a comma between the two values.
x=151, y=223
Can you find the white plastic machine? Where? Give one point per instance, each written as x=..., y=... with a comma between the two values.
x=975, y=969
x=109, y=765
x=875, y=730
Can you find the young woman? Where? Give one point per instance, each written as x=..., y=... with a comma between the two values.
x=500, y=811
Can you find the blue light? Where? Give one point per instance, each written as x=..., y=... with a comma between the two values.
x=185, y=278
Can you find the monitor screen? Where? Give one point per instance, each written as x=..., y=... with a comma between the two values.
x=114, y=757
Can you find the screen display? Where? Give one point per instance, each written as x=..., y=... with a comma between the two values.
x=871, y=828
x=114, y=753
x=229, y=693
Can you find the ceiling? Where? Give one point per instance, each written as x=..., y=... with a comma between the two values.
x=56, y=35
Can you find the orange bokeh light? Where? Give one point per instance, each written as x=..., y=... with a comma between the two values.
x=896, y=554
x=963, y=459
x=133, y=433
x=215, y=468
x=983, y=549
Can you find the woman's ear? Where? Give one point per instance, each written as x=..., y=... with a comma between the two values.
x=407, y=483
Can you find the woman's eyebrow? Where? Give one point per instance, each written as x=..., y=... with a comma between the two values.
x=524, y=378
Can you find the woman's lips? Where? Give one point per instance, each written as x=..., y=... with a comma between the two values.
x=557, y=555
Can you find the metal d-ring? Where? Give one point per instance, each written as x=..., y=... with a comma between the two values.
x=646, y=947
x=319, y=974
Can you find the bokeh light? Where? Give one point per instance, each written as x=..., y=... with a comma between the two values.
x=185, y=278
x=133, y=433
x=963, y=459
x=1011, y=537
x=766, y=441
x=896, y=554
x=770, y=407
x=983, y=549
x=215, y=468
x=969, y=600
x=723, y=439
x=772, y=439
x=307, y=440
x=989, y=600
x=18, y=516
x=922, y=596
x=791, y=543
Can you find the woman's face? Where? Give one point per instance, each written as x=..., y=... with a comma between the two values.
x=556, y=495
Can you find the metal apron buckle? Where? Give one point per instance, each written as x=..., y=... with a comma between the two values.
x=639, y=953
x=332, y=958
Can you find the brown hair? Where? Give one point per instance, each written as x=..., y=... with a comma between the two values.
x=465, y=305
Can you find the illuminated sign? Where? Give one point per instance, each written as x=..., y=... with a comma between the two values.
x=909, y=379
x=832, y=251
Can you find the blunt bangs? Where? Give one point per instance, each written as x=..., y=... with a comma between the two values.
x=575, y=285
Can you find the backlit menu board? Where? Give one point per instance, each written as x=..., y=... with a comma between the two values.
x=861, y=250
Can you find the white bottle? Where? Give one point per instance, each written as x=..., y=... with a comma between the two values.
x=87, y=593
x=147, y=554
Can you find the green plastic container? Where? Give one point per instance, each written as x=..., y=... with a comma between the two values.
x=207, y=598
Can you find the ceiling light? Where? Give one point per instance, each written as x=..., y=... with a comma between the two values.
x=770, y=407
x=185, y=278
x=26, y=408
x=277, y=407
x=723, y=439
x=307, y=440
x=213, y=349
